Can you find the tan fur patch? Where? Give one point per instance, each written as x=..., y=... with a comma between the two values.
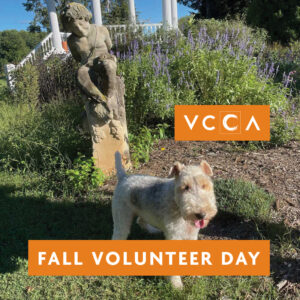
x=201, y=182
x=204, y=183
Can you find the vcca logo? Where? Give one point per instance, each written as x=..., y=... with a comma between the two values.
x=222, y=122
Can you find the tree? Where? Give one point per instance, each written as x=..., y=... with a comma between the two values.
x=113, y=12
x=15, y=45
x=217, y=9
x=12, y=47
x=281, y=18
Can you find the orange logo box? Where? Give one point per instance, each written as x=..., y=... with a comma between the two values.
x=222, y=122
x=149, y=257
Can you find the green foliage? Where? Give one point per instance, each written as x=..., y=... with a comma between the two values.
x=280, y=18
x=44, y=140
x=242, y=33
x=58, y=79
x=3, y=83
x=12, y=47
x=243, y=199
x=193, y=76
x=84, y=175
x=282, y=130
x=116, y=12
x=220, y=78
x=15, y=45
x=35, y=138
x=217, y=9
x=140, y=145
x=27, y=85
x=288, y=60
x=142, y=141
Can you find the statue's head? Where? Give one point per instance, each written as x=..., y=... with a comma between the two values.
x=76, y=18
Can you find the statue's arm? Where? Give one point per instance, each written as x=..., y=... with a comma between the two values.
x=75, y=54
x=107, y=38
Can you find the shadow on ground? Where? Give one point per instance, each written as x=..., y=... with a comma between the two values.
x=228, y=226
x=36, y=218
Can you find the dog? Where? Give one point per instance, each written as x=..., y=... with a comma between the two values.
x=179, y=205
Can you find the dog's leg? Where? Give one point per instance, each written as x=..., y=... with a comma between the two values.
x=122, y=217
x=176, y=282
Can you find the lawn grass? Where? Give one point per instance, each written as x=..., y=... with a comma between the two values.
x=28, y=213
x=2, y=81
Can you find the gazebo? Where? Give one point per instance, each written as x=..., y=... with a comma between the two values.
x=169, y=14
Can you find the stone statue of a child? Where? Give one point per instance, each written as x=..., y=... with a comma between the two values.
x=90, y=45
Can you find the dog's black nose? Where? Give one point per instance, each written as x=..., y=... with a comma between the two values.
x=200, y=216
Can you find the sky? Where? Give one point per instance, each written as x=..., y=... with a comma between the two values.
x=14, y=16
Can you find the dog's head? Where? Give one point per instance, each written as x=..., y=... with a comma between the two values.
x=194, y=192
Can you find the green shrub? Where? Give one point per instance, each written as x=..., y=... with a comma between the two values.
x=84, y=175
x=27, y=85
x=282, y=130
x=156, y=81
x=235, y=31
x=220, y=78
x=140, y=145
x=288, y=61
x=142, y=141
x=58, y=79
x=243, y=199
x=33, y=138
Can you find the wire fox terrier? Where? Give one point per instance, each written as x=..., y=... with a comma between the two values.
x=179, y=206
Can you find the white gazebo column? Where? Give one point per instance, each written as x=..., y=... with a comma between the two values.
x=132, y=12
x=56, y=38
x=167, y=14
x=174, y=14
x=97, y=16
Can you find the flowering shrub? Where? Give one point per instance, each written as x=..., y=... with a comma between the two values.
x=192, y=71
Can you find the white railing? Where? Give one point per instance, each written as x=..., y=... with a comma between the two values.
x=118, y=32
x=45, y=48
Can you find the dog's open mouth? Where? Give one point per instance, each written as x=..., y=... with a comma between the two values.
x=200, y=223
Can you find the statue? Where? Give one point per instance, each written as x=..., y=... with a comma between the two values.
x=105, y=108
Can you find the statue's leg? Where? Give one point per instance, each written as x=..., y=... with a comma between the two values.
x=111, y=71
x=87, y=85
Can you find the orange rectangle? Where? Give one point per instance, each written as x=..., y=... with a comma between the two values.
x=222, y=122
x=148, y=257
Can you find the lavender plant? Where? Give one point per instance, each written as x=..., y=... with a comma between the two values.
x=201, y=70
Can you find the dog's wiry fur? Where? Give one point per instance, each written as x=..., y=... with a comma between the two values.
x=178, y=206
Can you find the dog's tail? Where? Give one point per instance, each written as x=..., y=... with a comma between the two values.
x=120, y=170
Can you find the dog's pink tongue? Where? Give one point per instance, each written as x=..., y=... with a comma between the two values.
x=199, y=223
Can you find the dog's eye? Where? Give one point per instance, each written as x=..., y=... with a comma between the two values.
x=186, y=188
x=203, y=186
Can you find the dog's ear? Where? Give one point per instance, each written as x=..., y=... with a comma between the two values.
x=176, y=169
x=206, y=168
